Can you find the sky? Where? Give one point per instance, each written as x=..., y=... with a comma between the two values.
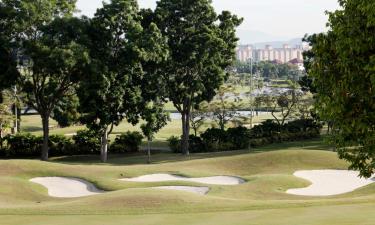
x=264, y=20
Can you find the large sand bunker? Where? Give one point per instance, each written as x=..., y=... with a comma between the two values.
x=329, y=182
x=216, y=180
x=195, y=190
x=63, y=187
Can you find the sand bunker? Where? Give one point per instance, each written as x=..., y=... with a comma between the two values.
x=329, y=182
x=217, y=180
x=62, y=187
x=195, y=190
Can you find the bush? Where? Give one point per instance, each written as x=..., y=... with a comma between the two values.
x=239, y=137
x=302, y=125
x=60, y=145
x=86, y=142
x=174, y=144
x=267, y=129
x=196, y=144
x=23, y=145
x=128, y=142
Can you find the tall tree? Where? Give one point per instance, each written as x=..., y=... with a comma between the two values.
x=47, y=38
x=342, y=67
x=116, y=85
x=201, y=45
x=8, y=66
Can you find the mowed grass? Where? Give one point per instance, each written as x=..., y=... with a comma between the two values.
x=261, y=200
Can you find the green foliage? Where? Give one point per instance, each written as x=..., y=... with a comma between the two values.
x=87, y=142
x=128, y=142
x=46, y=42
x=119, y=82
x=174, y=144
x=201, y=46
x=66, y=111
x=223, y=107
x=8, y=71
x=238, y=138
x=155, y=118
x=341, y=65
x=23, y=145
x=61, y=146
x=267, y=69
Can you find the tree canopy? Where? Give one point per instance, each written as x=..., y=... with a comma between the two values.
x=201, y=46
x=46, y=39
x=341, y=65
x=123, y=54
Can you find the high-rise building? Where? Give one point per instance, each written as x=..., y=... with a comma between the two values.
x=282, y=55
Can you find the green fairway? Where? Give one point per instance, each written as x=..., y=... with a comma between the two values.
x=261, y=200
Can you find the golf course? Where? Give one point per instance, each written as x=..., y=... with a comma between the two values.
x=261, y=199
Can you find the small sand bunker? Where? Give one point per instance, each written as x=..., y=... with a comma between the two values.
x=329, y=182
x=195, y=190
x=62, y=187
x=217, y=180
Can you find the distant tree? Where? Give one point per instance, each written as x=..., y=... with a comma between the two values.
x=285, y=104
x=224, y=106
x=198, y=117
x=202, y=46
x=118, y=85
x=156, y=118
x=342, y=69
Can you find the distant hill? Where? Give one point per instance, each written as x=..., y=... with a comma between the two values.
x=260, y=39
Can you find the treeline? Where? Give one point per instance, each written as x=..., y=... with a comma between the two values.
x=270, y=70
x=122, y=64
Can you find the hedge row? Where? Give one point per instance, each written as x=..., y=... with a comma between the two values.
x=84, y=143
x=241, y=138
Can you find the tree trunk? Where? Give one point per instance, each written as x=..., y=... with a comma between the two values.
x=45, y=148
x=19, y=121
x=1, y=135
x=185, y=133
x=104, y=147
x=148, y=151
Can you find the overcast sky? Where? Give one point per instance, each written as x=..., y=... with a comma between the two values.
x=265, y=20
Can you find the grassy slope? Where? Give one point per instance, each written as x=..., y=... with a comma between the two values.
x=262, y=200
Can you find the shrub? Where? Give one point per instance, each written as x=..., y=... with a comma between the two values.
x=128, y=142
x=267, y=129
x=196, y=144
x=174, y=144
x=23, y=145
x=302, y=125
x=239, y=137
x=214, y=135
x=86, y=142
x=60, y=145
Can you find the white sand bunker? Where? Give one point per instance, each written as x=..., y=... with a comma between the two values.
x=62, y=187
x=217, y=180
x=329, y=182
x=195, y=190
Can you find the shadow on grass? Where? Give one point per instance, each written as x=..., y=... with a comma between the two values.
x=163, y=156
x=30, y=129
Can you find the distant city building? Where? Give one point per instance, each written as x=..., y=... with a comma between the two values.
x=285, y=54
